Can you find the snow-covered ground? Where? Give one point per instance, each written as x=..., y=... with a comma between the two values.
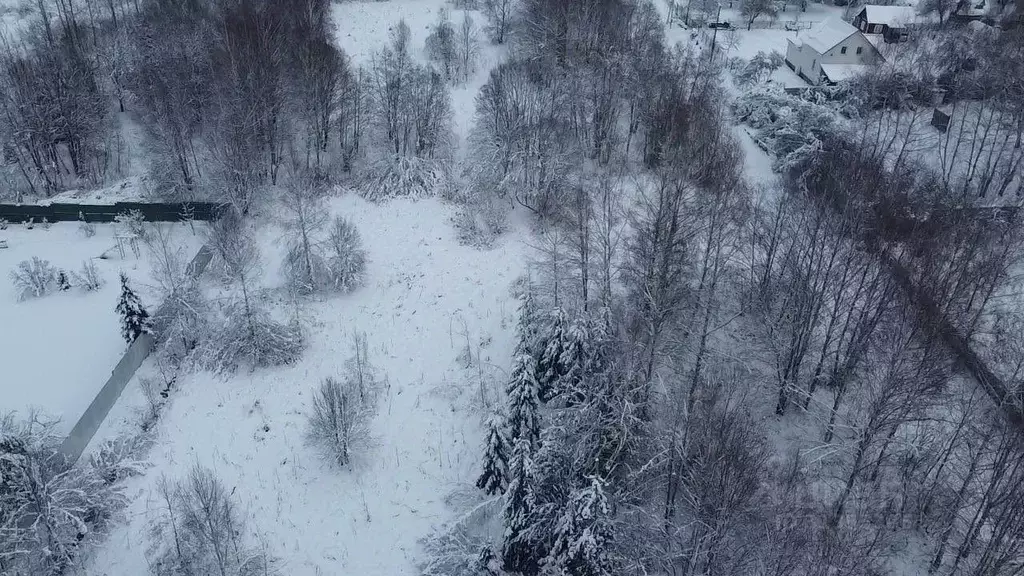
x=425, y=297
x=58, y=350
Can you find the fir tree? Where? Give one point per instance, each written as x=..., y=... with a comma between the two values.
x=523, y=418
x=134, y=318
x=494, y=477
x=549, y=366
x=582, y=534
x=526, y=329
x=575, y=362
x=517, y=552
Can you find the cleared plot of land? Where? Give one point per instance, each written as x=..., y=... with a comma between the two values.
x=425, y=298
x=56, y=351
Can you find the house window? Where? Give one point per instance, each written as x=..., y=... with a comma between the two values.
x=859, y=49
x=842, y=50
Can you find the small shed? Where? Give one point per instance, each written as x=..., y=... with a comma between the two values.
x=940, y=120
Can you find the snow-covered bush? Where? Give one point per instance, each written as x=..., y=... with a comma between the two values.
x=49, y=511
x=121, y=457
x=249, y=335
x=305, y=270
x=182, y=324
x=480, y=220
x=791, y=127
x=759, y=68
x=339, y=419
x=462, y=548
x=199, y=529
x=34, y=278
x=403, y=176
x=87, y=229
x=88, y=278
x=346, y=259
x=3, y=223
x=131, y=222
x=342, y=408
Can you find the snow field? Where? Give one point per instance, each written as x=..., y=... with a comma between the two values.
x=57, y=351
x=425, y=297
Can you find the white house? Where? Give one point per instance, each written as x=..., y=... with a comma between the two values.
x=831, y=51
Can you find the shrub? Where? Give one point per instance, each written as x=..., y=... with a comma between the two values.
x=339, y=418
x=88, y=278
x=131, y=222
x=50, y=511
x=305, y=270
x=87, y=229
x=346, y=259
x=250, y=335
x=403, y=176
x=120, y=458
x=199, y=530
x=34, y=278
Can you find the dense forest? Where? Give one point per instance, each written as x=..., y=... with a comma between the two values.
x=711, y=377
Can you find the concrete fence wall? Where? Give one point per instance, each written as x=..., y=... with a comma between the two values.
x=97, y=412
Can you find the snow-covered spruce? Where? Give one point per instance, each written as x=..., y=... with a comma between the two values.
x=518, y=552
x=523, y=419
x=134, y=318
x=582, y=533
x=549, y=365
x=494, y=477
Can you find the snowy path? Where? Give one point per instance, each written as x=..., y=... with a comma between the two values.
x=422, y=286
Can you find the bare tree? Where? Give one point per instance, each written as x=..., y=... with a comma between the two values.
x=499, y=18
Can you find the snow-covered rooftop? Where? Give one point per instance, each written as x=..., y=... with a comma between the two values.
x=893, y=16
x=827, y=34
x=840, y=72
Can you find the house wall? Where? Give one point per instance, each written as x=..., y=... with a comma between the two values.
x=805, y=61
x=869, y=54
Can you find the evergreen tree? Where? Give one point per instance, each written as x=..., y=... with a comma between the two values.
x=526, y=329
x=549, y=367
x=582, y=534
x=134, y=318
x=575, y=362
x=517, y=551
x=494, y=477
x=523, y=418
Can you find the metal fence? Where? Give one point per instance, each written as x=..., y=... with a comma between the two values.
x=151, y=211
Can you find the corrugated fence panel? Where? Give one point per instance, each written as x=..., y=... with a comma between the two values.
x=151, y=211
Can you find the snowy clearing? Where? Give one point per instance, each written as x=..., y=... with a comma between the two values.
x=58, y=350
x=425, y=298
